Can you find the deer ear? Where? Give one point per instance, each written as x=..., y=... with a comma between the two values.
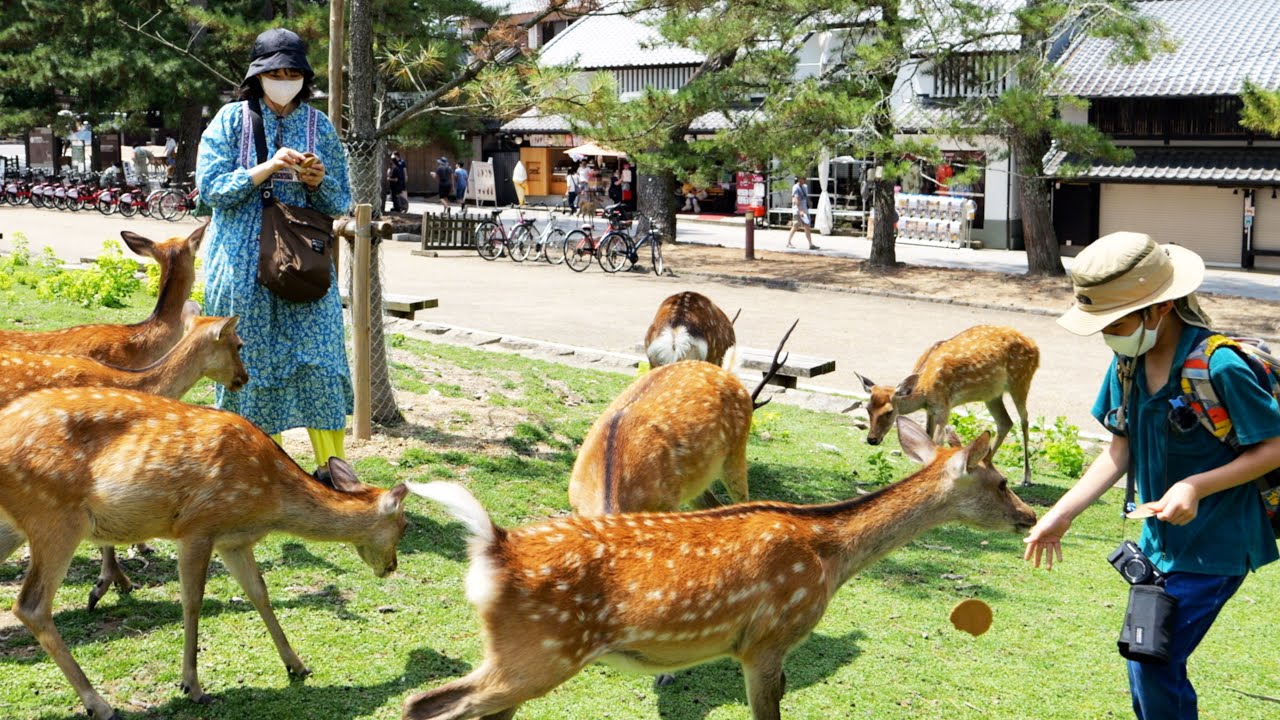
x=952, y=438
x=138, y=244
x=191, y=309
x=907, y=386
x=866, y=383
x=227, y=327
x=977, y=451
x=343, y=476
x=394, y=498
x=915, y=442
x=197, y=236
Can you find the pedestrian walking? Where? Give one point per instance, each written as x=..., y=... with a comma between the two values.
x=398, y=182
x=294, y=351
x=800, y=219
x=444, y=181
x=460, y=180
x=1208, y=527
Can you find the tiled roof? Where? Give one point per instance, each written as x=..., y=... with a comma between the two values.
x=613, y=41
x=1184, y=166
x=534, y=122
x=1219, y=45
x=515, y=7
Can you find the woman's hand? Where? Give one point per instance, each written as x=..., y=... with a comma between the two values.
x=1180, y=504
x=311, y=171
x=286, y=158
x=1046, y=536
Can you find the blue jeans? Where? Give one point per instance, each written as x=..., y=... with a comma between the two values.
x=1163, y=692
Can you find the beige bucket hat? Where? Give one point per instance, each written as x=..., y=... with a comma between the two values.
x=1123, y=272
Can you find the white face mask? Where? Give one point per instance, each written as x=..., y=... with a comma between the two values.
x=281, y=92
x=1135, y=343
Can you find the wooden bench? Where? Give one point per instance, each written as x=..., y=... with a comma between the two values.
x=796, y=365
x=401, y=306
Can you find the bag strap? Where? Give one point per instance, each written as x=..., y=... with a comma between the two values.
x=260, y=145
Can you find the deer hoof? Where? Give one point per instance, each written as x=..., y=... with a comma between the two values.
x=110, y=715
x=664, y=680
x=299, y=673
x=99, y=589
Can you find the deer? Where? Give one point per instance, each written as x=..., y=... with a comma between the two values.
x=210, y=348
x=981, y=363
x=140, y=344
x=657, y=592
x=114, y=466
x=666, y=439
x=688, y=326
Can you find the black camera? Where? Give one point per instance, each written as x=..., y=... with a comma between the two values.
x=1149, y=619
x=1134, y=566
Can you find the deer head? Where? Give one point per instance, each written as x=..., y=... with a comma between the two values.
x=885, y=404
x=225, y=365
x=378, y=548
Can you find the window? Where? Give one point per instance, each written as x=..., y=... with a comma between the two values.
x=1185, y=117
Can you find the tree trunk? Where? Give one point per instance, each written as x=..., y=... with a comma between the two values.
x=190, y=125
x=365, y=158
x=883, y=236
x=1043, y=256
x=656, y=198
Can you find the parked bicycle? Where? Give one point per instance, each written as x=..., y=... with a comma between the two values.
x=492, y=238
x=623, y=252
x=581, y=244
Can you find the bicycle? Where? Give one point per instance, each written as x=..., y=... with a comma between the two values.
x=622, y=252
x=174, y=203
x=581, y=245
x=492, y=238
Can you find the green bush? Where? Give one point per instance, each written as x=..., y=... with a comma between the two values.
x=108, y=284
x=1062, y=447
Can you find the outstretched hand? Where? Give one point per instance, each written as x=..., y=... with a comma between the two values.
x=1045, y=540
x=1179, y=506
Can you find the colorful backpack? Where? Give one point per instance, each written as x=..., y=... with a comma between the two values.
x=1199, y=397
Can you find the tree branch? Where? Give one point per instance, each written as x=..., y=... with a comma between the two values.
x=183, y=51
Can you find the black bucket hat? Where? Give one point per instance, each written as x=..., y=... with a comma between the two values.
x=276, y=49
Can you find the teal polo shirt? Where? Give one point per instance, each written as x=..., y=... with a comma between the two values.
x=1230, y=534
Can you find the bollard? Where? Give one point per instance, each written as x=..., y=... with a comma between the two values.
x=750, y=244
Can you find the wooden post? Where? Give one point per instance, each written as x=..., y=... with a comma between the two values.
x=337, y=12
x=362, y=423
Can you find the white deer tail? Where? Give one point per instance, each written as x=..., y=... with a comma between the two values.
x=461, y=504
x=732, y=359
x=674, y=344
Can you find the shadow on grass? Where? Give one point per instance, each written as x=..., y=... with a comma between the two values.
x=299, y=699
x=701, y=689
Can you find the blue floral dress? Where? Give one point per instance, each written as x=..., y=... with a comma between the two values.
x=294, y=352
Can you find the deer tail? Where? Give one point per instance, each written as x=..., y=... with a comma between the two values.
x=461, y=504
x=732, y=359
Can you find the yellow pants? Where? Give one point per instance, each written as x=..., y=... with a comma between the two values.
x=326, y=443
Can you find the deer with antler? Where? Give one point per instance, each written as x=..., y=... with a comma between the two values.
x=210, y=348
x=688, y=326
x=666, y=438
x=115, y=466
x=979, y=364
x=657, y=592
x=140, y=344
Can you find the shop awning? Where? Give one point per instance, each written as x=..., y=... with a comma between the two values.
x=1174, y=165
x=593, y=150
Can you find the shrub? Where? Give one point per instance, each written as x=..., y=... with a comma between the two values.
x=1062, y=447
x=108, y=284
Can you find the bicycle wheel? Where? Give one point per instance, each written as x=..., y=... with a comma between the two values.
x=171, y=205
x=553, y=248
x=616, y=252
x=577, y=251
x=489, y=240
x=655, y=247
x=128, y=207
x=520, y=244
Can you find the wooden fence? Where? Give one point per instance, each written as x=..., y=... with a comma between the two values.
x=450, y=231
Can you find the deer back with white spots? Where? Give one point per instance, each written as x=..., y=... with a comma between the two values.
x=663, y=441
x=657, y=592
x=979, y=364
x=140, y=344
x=688, y=326
x=116, y=466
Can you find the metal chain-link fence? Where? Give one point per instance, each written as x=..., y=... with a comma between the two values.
x=365, y=162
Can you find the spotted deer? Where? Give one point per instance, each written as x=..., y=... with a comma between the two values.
x=666, y=439
x=657, y=592
x=979, y=364
x=116, y=466
x=140, y=344
x=688, y=326
x=210, y=348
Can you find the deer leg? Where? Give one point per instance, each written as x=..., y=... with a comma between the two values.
x=936, y=424
x=734, y=474
x=1021, y=404
x=487, y=692
x=242, y=566
x=706, y=500
x=111, y=573
x=51, y=554
x=193, y=569
x=1003, y=422
x=10, y=540
x=765, y=685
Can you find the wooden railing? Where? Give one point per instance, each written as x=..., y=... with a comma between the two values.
x=450, y=231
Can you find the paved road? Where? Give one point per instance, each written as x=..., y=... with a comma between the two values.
x=878, y=337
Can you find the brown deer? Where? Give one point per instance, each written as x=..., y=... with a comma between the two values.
x=140, y=344
x=666, y=438
x=688, y=326
x=657, y=592
x=116, y=466
x=981, y=363
x=210, y=348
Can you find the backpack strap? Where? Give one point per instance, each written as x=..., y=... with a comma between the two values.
x=1198, y=390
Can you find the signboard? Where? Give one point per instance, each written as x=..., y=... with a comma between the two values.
x=482, y=187
x=750, y=188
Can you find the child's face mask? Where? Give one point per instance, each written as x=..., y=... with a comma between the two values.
x=1135, y=343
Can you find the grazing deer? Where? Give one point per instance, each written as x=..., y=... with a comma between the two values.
x=210, y=348
x=688, y=326
x=140, y=344
x=981, y=363
x=657, y=592
x=666, y=438
x=116, y=466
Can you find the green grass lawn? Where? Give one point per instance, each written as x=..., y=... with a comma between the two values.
x=884, y=650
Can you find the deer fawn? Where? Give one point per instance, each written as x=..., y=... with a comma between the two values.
x=115, y=466
x=657, y=592
x=666, y=438
x=981, y=363
x=209, y=349
x=140, y=344
x=688, y=326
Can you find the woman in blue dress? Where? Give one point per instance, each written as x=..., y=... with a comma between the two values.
x=295, y=352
